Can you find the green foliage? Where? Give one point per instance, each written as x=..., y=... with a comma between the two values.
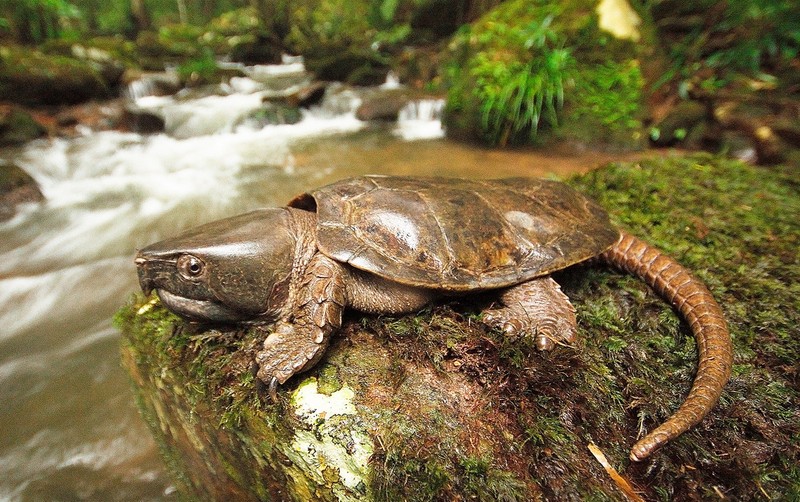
x=528, y=68
x=517, y=74
x=235, y=22
x=339, y=24
x=609, y=95
x=776, y=26
x=728, y=38
x=382, y=13
x=514, y=95
x=34, y=21
x=202, y=68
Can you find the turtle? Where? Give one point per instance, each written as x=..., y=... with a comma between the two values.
x=392, y=245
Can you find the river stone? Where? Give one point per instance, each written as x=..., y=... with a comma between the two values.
x=31, y=78
x=18, y=127
x=308, y=95
x=383, y=104
x=273, y=114
x=141, y=120
x=262, y=50
x=16, y=187
x=352, y=66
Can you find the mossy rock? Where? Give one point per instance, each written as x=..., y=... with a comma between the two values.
x=169, y=47
x=261, y=50
x=353, y=66
x=109, y=56
x=589, y=81
x=433, y=406
x=18, y=127
x=30, y=77
x=16, y=187
x=273, y=114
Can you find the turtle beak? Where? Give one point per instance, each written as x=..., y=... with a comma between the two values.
x=145, y=281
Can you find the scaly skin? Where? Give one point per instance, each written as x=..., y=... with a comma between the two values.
x=694, y=302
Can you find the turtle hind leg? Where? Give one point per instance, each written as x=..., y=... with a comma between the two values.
x=536, y=308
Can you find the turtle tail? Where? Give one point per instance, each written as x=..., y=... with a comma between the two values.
x=694, y=302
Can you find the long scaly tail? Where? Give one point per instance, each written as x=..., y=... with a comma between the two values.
x=694, y=302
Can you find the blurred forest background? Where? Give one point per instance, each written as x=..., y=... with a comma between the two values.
x=714, y=74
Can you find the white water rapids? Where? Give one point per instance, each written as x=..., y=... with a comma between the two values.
x=69, y=425
x=70, y=429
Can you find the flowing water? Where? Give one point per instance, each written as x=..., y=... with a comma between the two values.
x=70, y=430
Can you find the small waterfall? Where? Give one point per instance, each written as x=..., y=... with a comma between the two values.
x=421, y=119
x=153, y=84
x=280, y=77
x=227, y=108
x=392, y=81
x=66, y=262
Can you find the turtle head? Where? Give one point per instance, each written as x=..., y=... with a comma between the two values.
x=231, y=270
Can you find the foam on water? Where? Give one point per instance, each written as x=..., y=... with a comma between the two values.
x=65, y=264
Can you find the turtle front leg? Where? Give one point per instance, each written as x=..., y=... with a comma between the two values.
x=297, y=343
x=536, y=308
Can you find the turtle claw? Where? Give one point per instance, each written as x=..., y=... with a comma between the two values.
x=273, y=389
x=545, y=336
x=544, y=342
x=536, y=309
x=286, y=352
x=499, y=320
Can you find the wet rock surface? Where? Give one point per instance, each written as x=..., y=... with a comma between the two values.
x=33, y=78
x=16, y=187
x=18, y=126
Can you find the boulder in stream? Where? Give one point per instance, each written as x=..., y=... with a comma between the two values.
x=16, y=187
x=18, y=126
x=141, y=120
x=383, y=104
x=273, y=113
x=352, y=66
x=262, y=50
x=434, y=406
x=30, y=77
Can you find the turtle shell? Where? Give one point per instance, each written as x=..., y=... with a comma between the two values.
x=455, y=234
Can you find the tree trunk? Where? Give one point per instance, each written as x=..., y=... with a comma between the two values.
x=140, y=15
x=273, y=16
x=182, y=14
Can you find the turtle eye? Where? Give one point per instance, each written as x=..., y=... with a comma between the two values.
x=190, y=267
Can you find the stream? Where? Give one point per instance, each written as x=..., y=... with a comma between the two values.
x=70, y=428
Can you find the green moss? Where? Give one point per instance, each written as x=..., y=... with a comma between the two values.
x=482, y=481
x=510, y=72
x=606, y=104
x=410, y=479
x=735, y=226
x=33, y=78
